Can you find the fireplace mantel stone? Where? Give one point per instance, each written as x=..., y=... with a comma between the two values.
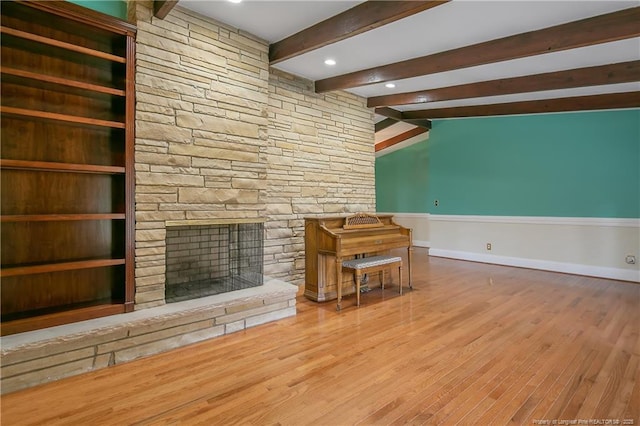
x=201, y=222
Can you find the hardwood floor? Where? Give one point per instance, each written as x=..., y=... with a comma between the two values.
x=471, y=344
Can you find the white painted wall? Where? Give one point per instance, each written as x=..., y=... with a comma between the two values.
x=419, y=223
x=584, y=246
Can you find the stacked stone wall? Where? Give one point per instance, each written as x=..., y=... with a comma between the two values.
x=220, y=135
x=320, y=161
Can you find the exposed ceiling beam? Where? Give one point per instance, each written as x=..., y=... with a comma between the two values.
x=614, y=26
x=161, y=8
x=387, y=122
x=400, y=138
x=396, y=115
x=389, y=113
x=424, y=123
x=359, y=19
x=624, y=72
x=576, y=103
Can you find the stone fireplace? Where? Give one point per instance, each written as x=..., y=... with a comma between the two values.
x=204, y=259
x=222, y=137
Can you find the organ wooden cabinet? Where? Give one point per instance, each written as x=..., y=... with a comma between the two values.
x=329, y=240
x=66, y=165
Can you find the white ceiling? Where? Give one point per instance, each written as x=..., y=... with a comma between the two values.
x=449, y=26
x=268, y=19
x=455, y=24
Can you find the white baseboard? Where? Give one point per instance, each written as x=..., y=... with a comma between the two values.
x=545, y=265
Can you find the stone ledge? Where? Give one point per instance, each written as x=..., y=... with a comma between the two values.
x=50, y=354
x=221, y=221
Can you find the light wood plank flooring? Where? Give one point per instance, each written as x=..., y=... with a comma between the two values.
x=471, y=344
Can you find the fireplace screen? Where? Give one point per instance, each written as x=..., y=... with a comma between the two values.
x=204, y=260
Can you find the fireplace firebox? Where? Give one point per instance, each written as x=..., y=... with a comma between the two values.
x=203, y=260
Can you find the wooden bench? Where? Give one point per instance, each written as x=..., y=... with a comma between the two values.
x=367, y=265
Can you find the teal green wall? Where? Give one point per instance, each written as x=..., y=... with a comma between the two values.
x=565, y=165
x=401, y=180
x=117, y=8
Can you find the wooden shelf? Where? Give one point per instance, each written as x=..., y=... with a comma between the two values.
x=60, y=217
x=69, y=314
x=21, y=112
x=33, y=79
x=57, y=267
x=59, y=167
x=61, y=44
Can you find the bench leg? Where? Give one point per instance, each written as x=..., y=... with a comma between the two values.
x=339, y=282
x=400, y=278
x=381, y=276
x=358, y=281
x=410, y=256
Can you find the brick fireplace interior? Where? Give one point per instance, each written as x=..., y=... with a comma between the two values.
x=203, y=260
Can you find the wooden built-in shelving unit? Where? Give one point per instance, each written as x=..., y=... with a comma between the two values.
x=66, y=213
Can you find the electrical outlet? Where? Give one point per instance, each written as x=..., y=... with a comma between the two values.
x=630, y=259
x=436, y=202
x=489, y=246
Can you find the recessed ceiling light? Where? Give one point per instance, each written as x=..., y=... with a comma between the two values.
x=330, y=62
x=389, y=85
x=235, y=1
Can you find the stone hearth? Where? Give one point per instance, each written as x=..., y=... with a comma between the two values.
x=53, y=353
